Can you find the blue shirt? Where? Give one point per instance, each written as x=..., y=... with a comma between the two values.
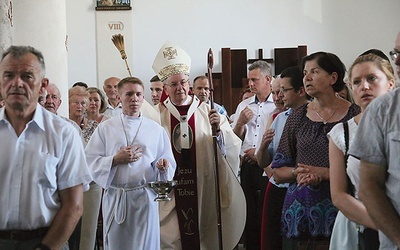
x=278, y=124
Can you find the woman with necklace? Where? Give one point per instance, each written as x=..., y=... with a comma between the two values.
x=302, y=157
x=370, y=76
x=78, y=101
x=97, y=105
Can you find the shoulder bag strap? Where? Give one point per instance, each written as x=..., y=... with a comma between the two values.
x=346, y=155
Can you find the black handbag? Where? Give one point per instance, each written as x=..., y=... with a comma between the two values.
x=368, y=239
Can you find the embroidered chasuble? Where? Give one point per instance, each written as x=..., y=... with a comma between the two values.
x=189, y=220
x=185, y=175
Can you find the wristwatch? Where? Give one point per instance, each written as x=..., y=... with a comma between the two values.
x=294, y=174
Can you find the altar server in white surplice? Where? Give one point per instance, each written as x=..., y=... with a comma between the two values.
x=124, y=154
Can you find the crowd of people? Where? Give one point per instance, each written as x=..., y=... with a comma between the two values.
x=309, y=159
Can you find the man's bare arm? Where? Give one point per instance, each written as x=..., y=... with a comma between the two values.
x=264, y=159
x=373, y=194
x=66, y=218
x=244, y=117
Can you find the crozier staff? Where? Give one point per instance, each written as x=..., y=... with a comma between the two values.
x=189, y=222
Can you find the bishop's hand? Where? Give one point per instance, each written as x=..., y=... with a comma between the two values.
x=214, y=119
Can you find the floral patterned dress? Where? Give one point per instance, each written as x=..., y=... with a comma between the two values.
x=88, y=130
x=308, y=211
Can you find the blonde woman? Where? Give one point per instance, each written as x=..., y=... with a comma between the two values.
x=78, y=103
x=370, y=76
x=97, y=105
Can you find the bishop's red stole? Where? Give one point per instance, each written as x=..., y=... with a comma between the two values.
x=186, y=176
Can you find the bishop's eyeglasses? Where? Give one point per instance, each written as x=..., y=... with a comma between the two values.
x=394, y=54
x=175, y=84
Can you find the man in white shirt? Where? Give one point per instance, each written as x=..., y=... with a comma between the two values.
x=42, y=163
x=52, y=99
x=114, y=106
x=253, y=114
x=52, y=103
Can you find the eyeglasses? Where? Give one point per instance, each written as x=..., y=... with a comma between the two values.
x=79, y=103
x=175, y=84
x=282, y=90
x=394, y=54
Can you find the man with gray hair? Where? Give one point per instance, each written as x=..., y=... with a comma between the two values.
x=53, y=98
x=253, y=114
x=189, y=221
x=42, y=163
x=53, y=102
x=114, y=107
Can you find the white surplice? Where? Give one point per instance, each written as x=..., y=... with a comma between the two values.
x=130, y=216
